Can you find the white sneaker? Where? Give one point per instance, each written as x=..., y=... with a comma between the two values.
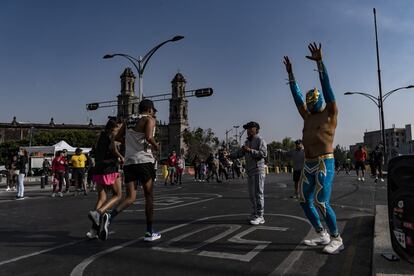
x=53, y=195
x=149, y=237
x=363, y=179
x=382, y=179
x=323, y=239
x=335, y=246
x=8, y=189
x=359, y=178
x=92, y=234
x=60, y=194
x=257, y=221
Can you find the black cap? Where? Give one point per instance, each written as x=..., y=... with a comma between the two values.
x=144, y=104
x=78, y=150
x=298, y=142
x=251, y=124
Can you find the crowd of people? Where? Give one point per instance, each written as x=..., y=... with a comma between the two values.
x=131, y=145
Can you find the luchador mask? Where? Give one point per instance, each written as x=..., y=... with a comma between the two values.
x=314, y=101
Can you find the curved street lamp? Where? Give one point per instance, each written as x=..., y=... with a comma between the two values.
x=379, y=102
x=141, y=62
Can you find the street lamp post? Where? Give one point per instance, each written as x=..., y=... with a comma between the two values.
x=237, y=141
x=379, y=102
x=227, y=138
x=141, y=62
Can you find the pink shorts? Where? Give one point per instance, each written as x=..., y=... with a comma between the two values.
x=105, y=179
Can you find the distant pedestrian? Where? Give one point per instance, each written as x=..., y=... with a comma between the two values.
x=180, y=169
x=13, y=173
x=45, y=173
x=202, y=171
x=172, y=167
x=298, y=159
x=196, y=165
x=22, y=167
x=360, y=157
x=213, y=168
x=255, y=152
x=378, y=160
x=66, y=179
x=78, y=161
x=59, y=165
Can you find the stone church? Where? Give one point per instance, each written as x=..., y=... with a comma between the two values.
x=169, y=135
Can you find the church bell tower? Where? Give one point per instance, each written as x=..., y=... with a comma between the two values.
x=127, y=101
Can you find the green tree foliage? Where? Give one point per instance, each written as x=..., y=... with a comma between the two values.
x=75, y=138
x=340, y=154
x=201, y=142
x=278, y=152
x=9, y=148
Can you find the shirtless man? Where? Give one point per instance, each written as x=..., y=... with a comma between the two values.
x=318, y=135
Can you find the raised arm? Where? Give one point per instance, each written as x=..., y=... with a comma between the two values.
x=316, y=55
x=294, y=88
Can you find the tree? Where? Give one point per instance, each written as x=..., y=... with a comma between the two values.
x=340, y=154
x=201, y=142
x=76, y=138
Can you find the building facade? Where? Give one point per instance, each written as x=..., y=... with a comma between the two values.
x=169, y=135
x=397, y=140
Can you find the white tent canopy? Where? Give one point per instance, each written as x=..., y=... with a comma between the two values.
x=56, y=147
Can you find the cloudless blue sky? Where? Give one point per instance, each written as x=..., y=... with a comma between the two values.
x=51, y=59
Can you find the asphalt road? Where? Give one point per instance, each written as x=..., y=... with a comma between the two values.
x=204, y=232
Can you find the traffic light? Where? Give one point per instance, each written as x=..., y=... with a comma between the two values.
x=92, y=106
x=204, y=92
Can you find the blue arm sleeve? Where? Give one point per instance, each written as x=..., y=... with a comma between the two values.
x=326, y=86
x=296, y=93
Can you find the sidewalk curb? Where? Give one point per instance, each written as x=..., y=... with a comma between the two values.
x=382, y=244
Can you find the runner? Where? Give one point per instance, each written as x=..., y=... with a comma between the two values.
x=105, y=175
x=318, y=134
x=255, y=152
x=139, y=166
x=360, y=156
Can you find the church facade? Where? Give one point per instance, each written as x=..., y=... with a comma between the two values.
x=170, y=135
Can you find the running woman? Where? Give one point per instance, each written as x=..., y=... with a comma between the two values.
x=318, y=134
x=138, y=134
x=106, y=175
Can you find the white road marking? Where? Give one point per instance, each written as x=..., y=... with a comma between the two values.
x=184, y=204
x=288, y=262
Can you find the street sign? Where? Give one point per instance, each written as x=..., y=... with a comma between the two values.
x=92, y=106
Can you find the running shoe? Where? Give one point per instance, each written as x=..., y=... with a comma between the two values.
x=60, y=194
x=149, y=237
x=363, y=179
x=94, y=216
x=104, y=230
x=8, y=189
x=92, y=234
x=359, y=178
x=20, y=197
x=382, y=179
x=53, y=195
x=323, y=239
x=257, y=221
x=335, y=246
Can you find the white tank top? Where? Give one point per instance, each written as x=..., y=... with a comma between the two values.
x=137, y=148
